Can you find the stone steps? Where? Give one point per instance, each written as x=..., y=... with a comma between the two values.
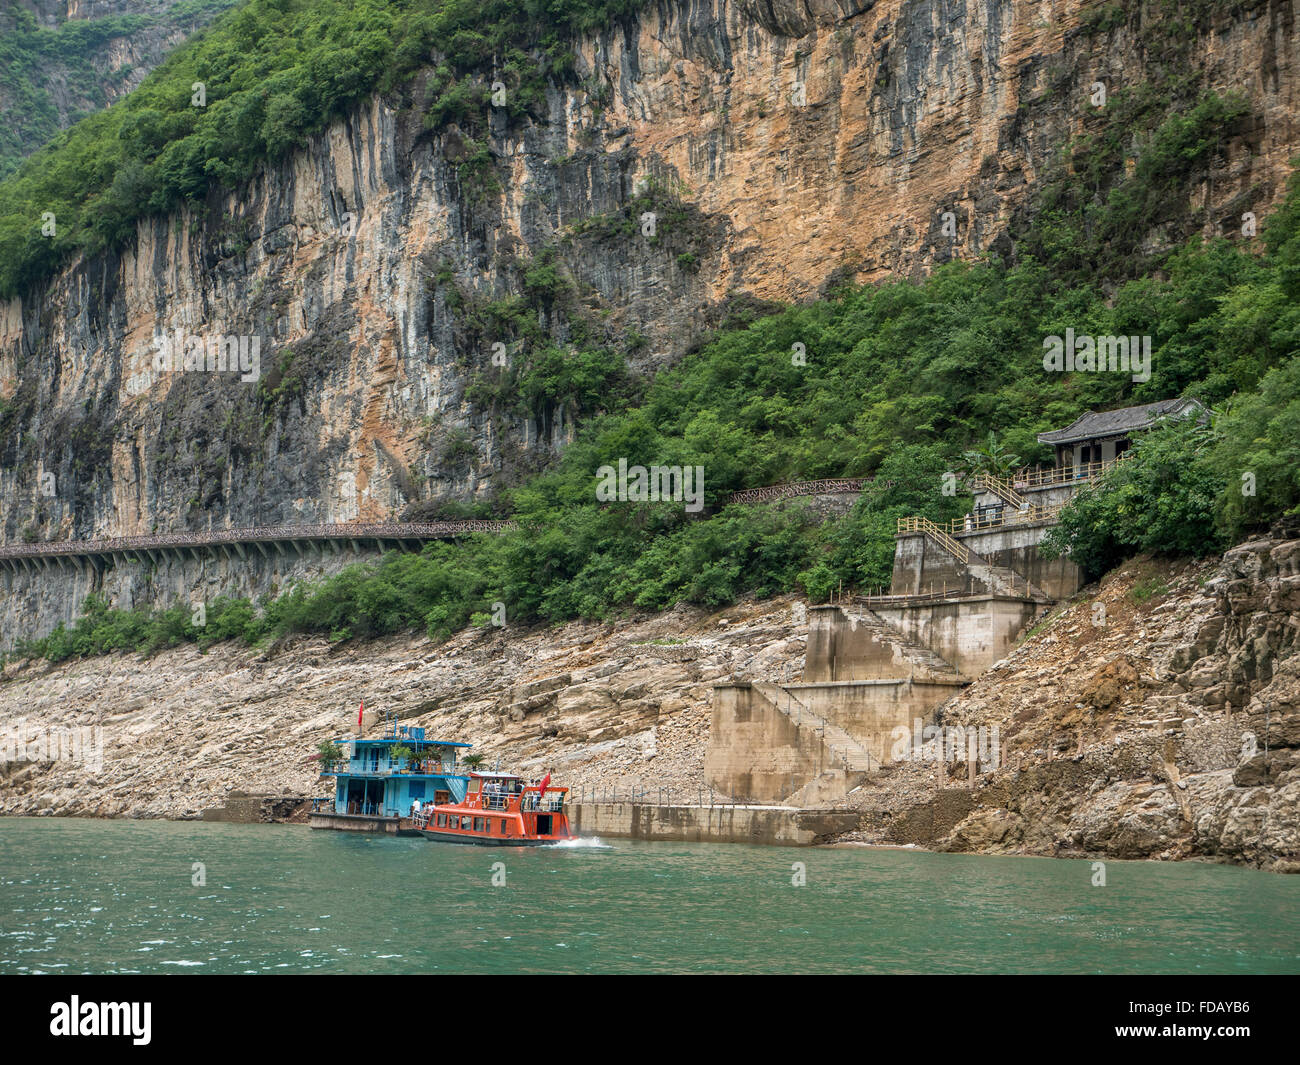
x=925, y=662
x=842, y=747
x=999, y=580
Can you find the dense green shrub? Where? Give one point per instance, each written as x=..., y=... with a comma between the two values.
x=1257, y=456
x=33, y=58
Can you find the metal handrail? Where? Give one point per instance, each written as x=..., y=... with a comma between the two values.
x=1040, y=477
x=1003, y=489
x=433, y=530
x=1024, y=515
x=940, y=533
x=543, y=806
x=661, y=796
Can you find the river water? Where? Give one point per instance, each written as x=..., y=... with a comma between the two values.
x=82, y=896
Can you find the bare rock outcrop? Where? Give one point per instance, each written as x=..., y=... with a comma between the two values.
x=1164, y=725
x=605, y=706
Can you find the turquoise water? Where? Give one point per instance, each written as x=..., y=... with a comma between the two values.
x=117, y=896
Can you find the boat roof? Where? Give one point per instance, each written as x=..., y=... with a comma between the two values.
x=401, y=741
x=497, y=776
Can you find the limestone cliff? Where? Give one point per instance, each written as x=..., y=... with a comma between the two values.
x=784, y=144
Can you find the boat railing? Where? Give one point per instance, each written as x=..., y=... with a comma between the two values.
x=658, y=796
x=381, y=768
x=544, y=805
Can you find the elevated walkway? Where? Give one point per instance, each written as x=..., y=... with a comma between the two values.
x=263, y=540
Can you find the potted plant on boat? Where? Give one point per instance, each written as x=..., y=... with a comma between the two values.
x=331, y=754
x=402, y=754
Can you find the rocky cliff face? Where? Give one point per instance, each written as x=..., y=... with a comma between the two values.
x=1158, y=716
x=782, y=145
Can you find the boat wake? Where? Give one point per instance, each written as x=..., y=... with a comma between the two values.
x=581, y=843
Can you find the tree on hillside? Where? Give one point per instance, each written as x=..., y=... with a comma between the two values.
x=991, y=458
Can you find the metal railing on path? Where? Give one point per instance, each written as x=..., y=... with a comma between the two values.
x=266, y=534
x=833, y=486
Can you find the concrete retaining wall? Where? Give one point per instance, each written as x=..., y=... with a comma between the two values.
x=870, y=710
x=1016, y=548
x=257, y=809
x=971, y=634
x=842, y=646
x=921, y=566
x=758, y=752
x=755, y=751
x=769, y=825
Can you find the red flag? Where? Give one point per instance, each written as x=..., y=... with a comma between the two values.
x=360, y=710
x=545, y=780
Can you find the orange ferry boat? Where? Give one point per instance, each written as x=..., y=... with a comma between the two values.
x=499, y=810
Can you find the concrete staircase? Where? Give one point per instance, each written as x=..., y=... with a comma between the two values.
x=924, y=663
x=1003, y=489
x=876, y=663
x=1000, y=580
x=847, y=761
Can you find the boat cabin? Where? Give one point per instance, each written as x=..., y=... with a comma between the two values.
x=500, y=809
x=384, y=777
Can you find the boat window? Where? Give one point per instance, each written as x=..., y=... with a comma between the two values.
x=478, y=824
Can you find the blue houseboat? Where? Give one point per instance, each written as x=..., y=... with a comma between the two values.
x=377, y=784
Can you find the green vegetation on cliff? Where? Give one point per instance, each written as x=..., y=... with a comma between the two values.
x=273, y=72
x=36, y=59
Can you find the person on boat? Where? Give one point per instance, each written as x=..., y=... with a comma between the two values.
x=415, y=807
